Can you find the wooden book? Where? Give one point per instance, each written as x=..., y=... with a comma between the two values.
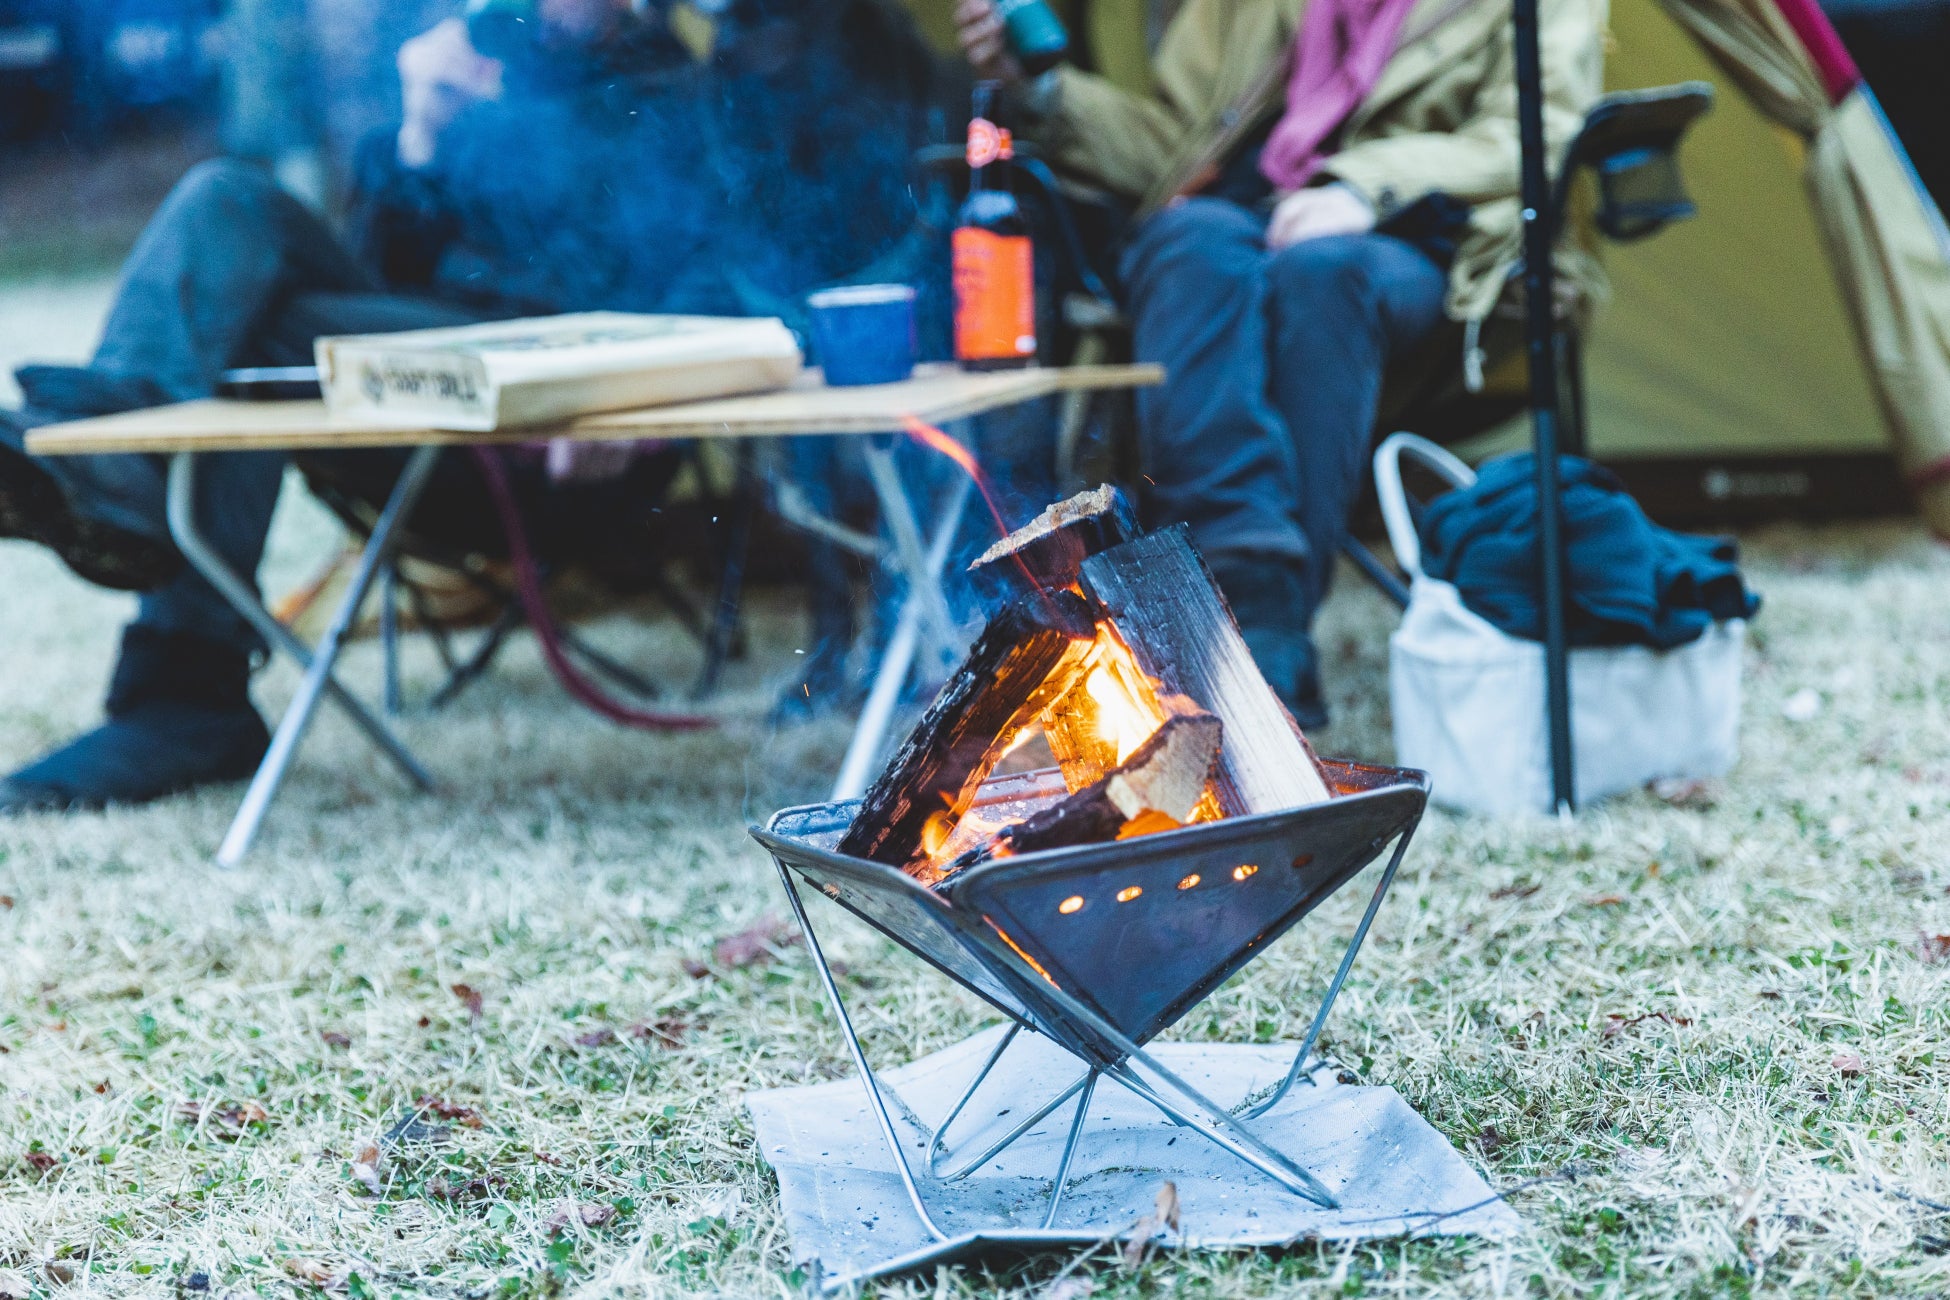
x=1169, y=612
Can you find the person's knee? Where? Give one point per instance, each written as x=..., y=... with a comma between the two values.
x=223, y=188
x=1194, y=233
x=1333, y=271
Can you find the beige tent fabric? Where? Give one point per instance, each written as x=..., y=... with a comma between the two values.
x=1886, y=243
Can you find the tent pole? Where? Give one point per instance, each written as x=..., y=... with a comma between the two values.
x=1541, y=336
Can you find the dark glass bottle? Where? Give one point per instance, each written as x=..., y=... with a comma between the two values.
x=994, y=262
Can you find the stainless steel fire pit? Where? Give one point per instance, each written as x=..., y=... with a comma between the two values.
x=1102, y=947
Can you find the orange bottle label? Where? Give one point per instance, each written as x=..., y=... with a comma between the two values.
x=995, y=295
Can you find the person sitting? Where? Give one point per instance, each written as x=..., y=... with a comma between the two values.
x=1315, y=194
x=569, y=176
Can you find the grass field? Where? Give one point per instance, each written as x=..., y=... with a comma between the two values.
x=1706, y=1048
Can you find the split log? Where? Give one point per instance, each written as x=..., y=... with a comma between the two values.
x=1025, y=654
x=1159, y=788
x=1049, y=550
x=1169, y=612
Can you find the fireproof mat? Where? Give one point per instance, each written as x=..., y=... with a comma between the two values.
x=850, y=1219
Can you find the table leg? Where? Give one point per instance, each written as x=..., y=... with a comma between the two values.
x=923, y=592
x=317, y=664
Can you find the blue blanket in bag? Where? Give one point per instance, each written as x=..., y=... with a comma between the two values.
x=1630, y=582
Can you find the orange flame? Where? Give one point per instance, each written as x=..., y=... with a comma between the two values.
x=929, y=436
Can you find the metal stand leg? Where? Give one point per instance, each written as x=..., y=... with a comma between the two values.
x=1070, y=1148
x=731, y=579
x=389, y=635
x=924, y=600
x=317, y=662
x=1340, y=978
x=243, y=598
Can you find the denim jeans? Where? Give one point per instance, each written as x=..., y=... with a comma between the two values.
x=1259, y=437
x=231, y=271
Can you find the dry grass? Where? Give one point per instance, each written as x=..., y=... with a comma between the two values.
x=1655, y=998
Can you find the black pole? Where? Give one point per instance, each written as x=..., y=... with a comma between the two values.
x=1541, y=332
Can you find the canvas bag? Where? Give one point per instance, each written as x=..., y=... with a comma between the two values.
x=1468, y=698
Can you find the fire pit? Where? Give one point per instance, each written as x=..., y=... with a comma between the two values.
x=1184, y=826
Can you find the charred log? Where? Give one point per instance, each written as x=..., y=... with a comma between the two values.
x=1018, y=663
x=1160, y=788
x=1049, y=550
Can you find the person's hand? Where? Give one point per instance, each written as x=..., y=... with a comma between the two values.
x=1314, y=213
x=983, y=40
x=440, y=74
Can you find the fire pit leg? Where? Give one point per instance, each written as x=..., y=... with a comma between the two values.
x=1001, y=1144
x=1070, y=1149
x=935, y=1148
x=1242, y=1144
x=1340, y=978
x=858, y=1053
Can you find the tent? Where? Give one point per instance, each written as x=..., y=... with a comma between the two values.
x=1790, y=346
x=1788, y=350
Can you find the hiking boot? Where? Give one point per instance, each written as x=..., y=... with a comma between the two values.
x=179, y=716
x=33, y=508
x=1269, y=601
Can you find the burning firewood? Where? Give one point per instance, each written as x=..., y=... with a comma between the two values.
x=1049, y=550
x=1025, y=655
x=1159, y=788
x=1167, y=612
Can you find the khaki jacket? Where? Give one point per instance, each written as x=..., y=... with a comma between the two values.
x=1441, y=118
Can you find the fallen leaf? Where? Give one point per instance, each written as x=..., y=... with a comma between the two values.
x=1848, y=1065
x=41, y=1161
x=366, y=1164
x=1489, y=1141
x=596, y=1038
x=1522, y=889
x=592, y=1214
x=757, y=945
x=1936, y=948
x=474, y=1189
x=59, y=1272
x=471, y=999
x=13, y=1286
x=696, y=969
x=549, y=1158
x=1616, y=1024
x=6, y=902
x=426, y=1022
x=1688, y=792
x=101, y=1089
x=333, y=1038
x=666, y=1032
x=596, y=1214
x=310, y=1270
x=1605, y=900
x=249, y=1112
x=465, y=1116
x=1167, y=1206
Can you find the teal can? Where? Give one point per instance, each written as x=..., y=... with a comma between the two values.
x=1036, y=35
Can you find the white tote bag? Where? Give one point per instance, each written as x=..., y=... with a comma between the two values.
x=1468, y=699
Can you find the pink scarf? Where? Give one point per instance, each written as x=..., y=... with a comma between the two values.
x=1337, y=59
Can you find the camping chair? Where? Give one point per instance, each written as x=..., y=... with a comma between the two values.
x=1630, y=144
x=457, y=532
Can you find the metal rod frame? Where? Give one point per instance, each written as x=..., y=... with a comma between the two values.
x=316, y=662
x=1192, y=1109
x=1540, y=319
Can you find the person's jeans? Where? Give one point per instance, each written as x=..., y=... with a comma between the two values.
x=231, y=271
x=1259, y=435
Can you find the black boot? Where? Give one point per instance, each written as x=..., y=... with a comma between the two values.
x=1269, y=600
x=33, y=508
x=179, y=716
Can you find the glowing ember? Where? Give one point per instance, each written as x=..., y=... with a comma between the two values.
x=934, y=439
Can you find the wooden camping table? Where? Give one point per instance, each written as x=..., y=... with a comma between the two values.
x=935, y=394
